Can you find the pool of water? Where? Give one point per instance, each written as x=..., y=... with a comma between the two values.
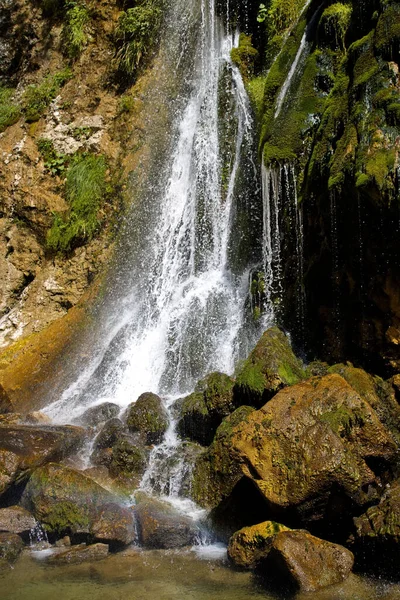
x=160, y=575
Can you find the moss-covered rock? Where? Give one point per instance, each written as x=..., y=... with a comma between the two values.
x=105, y=440
x=64, y=500
x=148, y=416
x=128, y=461
x=270, y=366
x=250, y=545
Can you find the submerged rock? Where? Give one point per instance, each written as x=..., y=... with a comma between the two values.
x=148, y=416
x=270, y=366
x=250, y=545
x=16, y=519
x=160, y=526
x=79, y=554
x=307, y=562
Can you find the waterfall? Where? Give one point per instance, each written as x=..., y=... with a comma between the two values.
x=181, y=310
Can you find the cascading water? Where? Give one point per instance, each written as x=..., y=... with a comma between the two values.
x=185, y=310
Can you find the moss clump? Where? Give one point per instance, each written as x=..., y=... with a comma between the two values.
x=244, y=55
x=148, y=416
x=74, y=32
x=128, y=460
x=334, y=23
x=341, y=420
x=64, y=518
x=218, y=394
x=136, y=35
x=37, y=98
x=255, y=89
x=85, y=188
x=387, y=33
x=10, y=112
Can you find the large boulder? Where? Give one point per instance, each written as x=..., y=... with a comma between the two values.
x=160, y=526
x=105, y=440
x=16, y=519
x=37, y=445
x=202, y=412
x=148, y=416
x=79, y=554
x=308, y=451
x=377, y=535
x=11, y=546
x=100, y=413
x=250, y=545
x=306, y=562
x=114, y=525
x=64, y=500
x=269, y=367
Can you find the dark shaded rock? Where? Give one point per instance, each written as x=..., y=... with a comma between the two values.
x=377, y=535
x=9, y=462
x=160, y=526
x=37, y=445
x=248, y=546
x=148, y=416
x=16, y=519
x=270, y=366
x=114, y=525
x=64, y=500
x=105, y=440
x=218, y=394
x=11, y=546
x=128, y=461
x=5, y=403
x=79, y=554
x=307, y=562
x=99, y=414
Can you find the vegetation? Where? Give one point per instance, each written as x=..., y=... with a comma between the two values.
x=85, y=187
x=74, y=29
x=37, y=98
x=54, y=162
x=136, y=34
x=10, y=112
x=244, y=55
x=335, y=21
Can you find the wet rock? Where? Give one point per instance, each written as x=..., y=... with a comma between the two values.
x=270, y=366
x=64, y=500
x=114, y=525
x=105, y=440
x=11, y=546
x=248, y=546
x=314, y=451
x=307, y=562
x=5, y=403
x=37, y=445
x=148, y=416
x=9, y=463
x=99, y=414
x=218, y=395
x=128, y=461
x=377, y=535
x=160, y=526
x=37, y=418
x=16, y=519
x=79, y=554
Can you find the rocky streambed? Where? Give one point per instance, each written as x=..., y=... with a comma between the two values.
x=296, y=468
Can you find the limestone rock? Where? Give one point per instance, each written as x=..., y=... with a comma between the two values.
x=16, y=519
x=270, y=366
x=248, y=546
x=64, y=500
x=79, y=554
x=160, y=526
x=148, y=416
x=307, y=562
x=114, y=525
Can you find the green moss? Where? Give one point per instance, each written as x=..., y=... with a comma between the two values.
x=341, y=420
x=344, y=156
x=85, y=188
x=244, y=55
x=65, y=517
x=74, y=29
x=54, y=162
x=387, y=33
x=127, y=459
x=251, y=380
x=10, y=112
x=136, y=35
x=335, y=21
x=288, y=376
x=37, y=98
x=147, y=415
x=379, y=165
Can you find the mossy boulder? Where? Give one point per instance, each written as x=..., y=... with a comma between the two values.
x=377, y=535
x=148, y=416
x=161, y=526
x=307, y=563
x=250, y=545
x=270, y=366
x=105, y=440
x=202, y=412
x=64, y=500
x=128, y=461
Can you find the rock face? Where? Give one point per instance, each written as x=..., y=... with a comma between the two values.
x=377, y=535
x=307, y=562
x=250, y=545
x=16, y=519
x=148, y=416
x=312, y=446
x=160, y=526
x=270, y=366
x=63, y=500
